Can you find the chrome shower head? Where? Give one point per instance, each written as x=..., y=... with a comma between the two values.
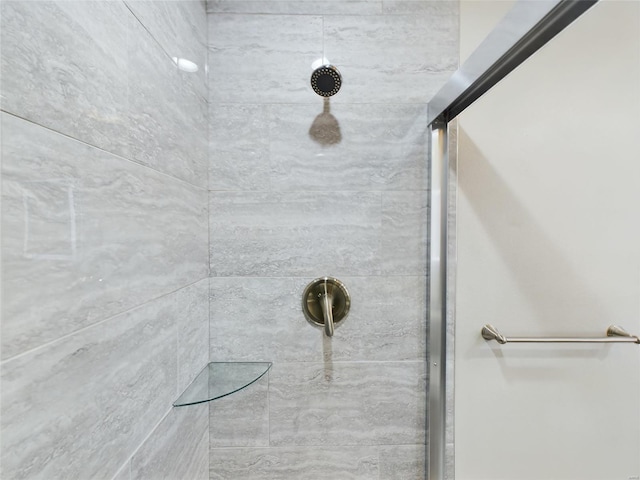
x=326, y=80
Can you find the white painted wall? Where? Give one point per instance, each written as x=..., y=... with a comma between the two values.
x=549, y=245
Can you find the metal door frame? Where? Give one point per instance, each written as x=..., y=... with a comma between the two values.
x=528, y=26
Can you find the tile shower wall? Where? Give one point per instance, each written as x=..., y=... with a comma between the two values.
x=297, y=194
x=104, y=239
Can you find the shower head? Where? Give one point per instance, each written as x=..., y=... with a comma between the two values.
x=326, y=80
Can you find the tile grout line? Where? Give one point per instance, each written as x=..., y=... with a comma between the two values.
x=144, y=440
x=125, y=466
x=311, y=276
x=380, y=13
x=88, y=327
x=177, y=364
x=329, y=446
x=115, y=155
x=269, y=407
x=210, y=106
x=417, y=361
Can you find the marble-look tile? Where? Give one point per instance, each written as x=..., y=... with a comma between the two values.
x=178, y=449
x=270, y=309
x=177, y=25
x=164, y=113
x=347, y=403
x=124, y=473
x=317, y=463
x=78, y=407
x=239, y=146
x=105, y=81
x=192, y=39
x=159, y=18
x=306, y=7
x=263, y=58
x=192, y=16
x=349, y=147
x=193, y=332
x=194, y=123
x=87, y=234
x=402, y=462
x=391, y=58
x=64, y=65
x=180, y=27
x=241, y=419
x=433, y=8
x=294, y=233
x=404, y=233
x=386, y=321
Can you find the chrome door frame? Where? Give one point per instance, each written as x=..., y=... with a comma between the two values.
x=528, y=26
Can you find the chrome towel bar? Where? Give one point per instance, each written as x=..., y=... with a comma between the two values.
x=615, y=334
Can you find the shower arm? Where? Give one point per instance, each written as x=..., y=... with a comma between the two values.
x=326, y=303
x=615, y=334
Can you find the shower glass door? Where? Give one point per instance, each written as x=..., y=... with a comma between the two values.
x=548, y=245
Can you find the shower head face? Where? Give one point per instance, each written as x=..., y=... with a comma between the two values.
x=326, y=80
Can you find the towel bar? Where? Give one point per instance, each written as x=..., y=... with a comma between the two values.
x=615, y=334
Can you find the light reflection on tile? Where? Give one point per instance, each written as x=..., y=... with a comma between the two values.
x=180, y=27
x=160, y=128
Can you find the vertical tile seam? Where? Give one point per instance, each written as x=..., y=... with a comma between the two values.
x=145, y=439
x=324, y=53
x=209, y=246
x=379, y=451
x=269, y=408
x=268, y=111
x=177, y=359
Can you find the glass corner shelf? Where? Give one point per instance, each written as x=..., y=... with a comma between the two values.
x=219, y=379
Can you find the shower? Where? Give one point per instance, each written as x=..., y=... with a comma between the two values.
x=167, y=194
x=326, y=80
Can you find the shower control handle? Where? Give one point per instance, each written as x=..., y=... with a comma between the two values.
x=326, y=303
